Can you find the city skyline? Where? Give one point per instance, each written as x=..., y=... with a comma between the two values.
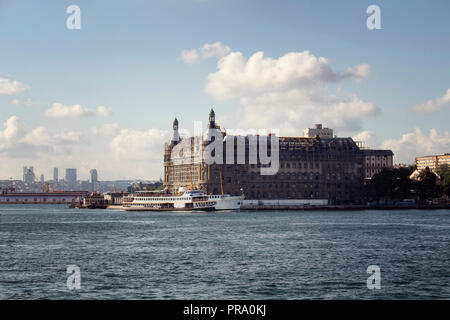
x=105, y=96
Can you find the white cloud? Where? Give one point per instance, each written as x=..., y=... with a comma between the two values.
x=139, y=145
x=58, y=110
x=13, y=144
x=214, y=50
x=368, y=138
x=11, y=87
x=28, y=102
x=209, y=50
x=433, y=105
x=118, y=154
x=139, y=153
x=289, y=93
x=57, y=145
x=416, y=144
x=238, y=76
x=108, y=129
x=358, y=72
x=39, y=136
x=190, y=56
x=13, y=129
x=409, y=145
x=104, y=111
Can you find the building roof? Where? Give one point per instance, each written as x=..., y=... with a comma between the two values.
x=375, y=152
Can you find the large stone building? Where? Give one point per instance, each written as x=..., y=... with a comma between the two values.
x=309, y=168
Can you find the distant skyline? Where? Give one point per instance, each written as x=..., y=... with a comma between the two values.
x=105, y=96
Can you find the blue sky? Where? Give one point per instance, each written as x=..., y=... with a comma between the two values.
x=127, y=57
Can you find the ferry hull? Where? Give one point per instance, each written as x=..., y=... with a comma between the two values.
x=167, y=209
x=230, y=203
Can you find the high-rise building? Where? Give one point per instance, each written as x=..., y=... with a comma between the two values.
x=55, y=174
x=42, y=178
x=94, y=179
x=27, y=175
x=71, y=175
x=94, y=175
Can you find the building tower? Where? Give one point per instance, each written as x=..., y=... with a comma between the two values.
x=212, y=130
x=176, y=135
x=212, y=119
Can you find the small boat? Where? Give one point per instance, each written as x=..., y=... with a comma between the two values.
x=92, y=201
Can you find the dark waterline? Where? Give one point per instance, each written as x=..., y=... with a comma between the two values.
x=230, y=255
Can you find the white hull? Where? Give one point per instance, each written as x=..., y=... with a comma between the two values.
x=227, y=202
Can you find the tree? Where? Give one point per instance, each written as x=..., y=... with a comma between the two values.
x=443, y=170
x=427, y=187
x=391, y=184
x=444, y=174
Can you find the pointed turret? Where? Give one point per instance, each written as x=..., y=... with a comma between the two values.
x=176, y=136
x=212, y=119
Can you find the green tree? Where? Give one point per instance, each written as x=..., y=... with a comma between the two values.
x=391, y=184
x=427, y=187
x=444, y=174
x=443, y=170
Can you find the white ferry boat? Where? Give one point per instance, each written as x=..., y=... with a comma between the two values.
x=187, y=200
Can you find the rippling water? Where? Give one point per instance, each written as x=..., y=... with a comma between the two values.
x=230, y=255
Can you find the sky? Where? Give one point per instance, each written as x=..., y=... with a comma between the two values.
x=104, y=96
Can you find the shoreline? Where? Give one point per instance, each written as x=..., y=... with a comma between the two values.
x=289, y=208
x=344, y=207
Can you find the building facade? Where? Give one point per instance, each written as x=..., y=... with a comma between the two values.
x=309, y=168
x=376, y=160
x=432, y=162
